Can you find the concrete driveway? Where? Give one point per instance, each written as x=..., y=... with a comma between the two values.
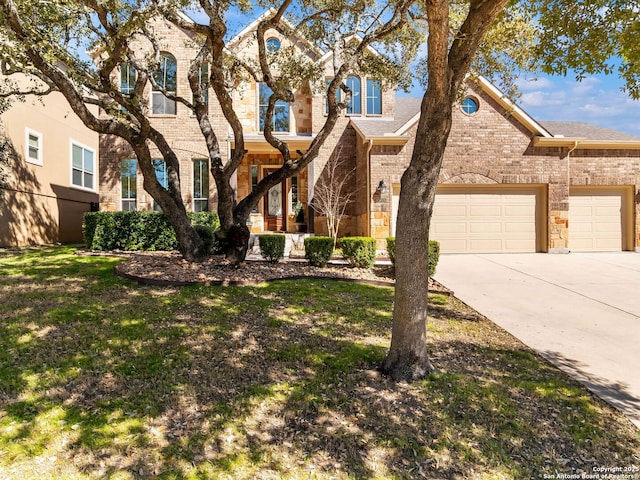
x=581, y=311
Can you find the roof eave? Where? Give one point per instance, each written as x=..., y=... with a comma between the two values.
x=585, y=144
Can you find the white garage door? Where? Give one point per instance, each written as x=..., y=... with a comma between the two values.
x=595, y=220
x=492, y=220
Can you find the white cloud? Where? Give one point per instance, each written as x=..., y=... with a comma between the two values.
x=596, y=100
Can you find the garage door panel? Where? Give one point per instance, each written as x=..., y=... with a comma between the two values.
x=460, y=228
x=485, y=210
x=524, y=228
x=595, y=219
x=504, y=221
x=485, y=227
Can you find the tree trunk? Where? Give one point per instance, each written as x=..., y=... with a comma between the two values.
x=407, y=359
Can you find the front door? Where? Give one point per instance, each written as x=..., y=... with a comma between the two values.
x=274, y=203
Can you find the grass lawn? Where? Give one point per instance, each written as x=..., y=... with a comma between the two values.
x=103, y=378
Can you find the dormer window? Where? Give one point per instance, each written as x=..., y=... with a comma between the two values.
x=166, y=80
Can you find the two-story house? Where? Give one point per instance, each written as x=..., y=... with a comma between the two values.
x=508, y=184
x=52, y=172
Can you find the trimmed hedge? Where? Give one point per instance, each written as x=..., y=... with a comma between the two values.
x=360, y=251
x=434, y=253
x=138, y=230
x=318, y=250
x=272, y=247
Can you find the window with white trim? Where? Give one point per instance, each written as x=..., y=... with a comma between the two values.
x=33, y=147
x=128, y=184
x=200, y=185
x=83, y=166
x=160, y=167
x=374, y=97
x=354, y=107
x=280, y=119
x=166, y=80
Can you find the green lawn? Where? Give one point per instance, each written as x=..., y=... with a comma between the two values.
x=103, y=378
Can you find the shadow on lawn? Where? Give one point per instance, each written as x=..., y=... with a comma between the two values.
x=259, y=382
x=615, y=393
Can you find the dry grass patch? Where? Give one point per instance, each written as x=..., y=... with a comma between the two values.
x=101, y=378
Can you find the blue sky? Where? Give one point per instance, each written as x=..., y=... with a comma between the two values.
x=598, y=100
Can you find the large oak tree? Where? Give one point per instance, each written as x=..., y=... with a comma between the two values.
x=45, y=40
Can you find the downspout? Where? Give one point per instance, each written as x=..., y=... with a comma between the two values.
x=369, y=146
x=569, y=152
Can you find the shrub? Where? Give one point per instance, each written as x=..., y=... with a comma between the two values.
x=272, y=247
x=434, y=253
x=391, y=249
x=318, y=250
x=207, y=234
x=360, y=251
x=136, y=230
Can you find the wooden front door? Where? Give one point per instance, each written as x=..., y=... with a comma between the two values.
x=274, y=206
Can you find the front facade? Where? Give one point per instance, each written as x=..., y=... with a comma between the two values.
x=511, y=184
x=508, y=183
x=52, y=173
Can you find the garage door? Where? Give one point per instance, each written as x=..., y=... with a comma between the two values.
x=596, y=219
x=487, y=220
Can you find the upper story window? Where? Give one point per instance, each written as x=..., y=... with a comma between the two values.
x=82, y=166
x=280, y=114
x=160, y=167
x=128, y=184
x=127, y=78
x=166, y=79
x=469, y=105
x=374, y=98
x=33, y=144
x=272, y=44
x=355, y=104
x=203, y=76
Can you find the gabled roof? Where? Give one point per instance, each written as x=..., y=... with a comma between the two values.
x=388, y=127
x=545, y=134
x=586, y=131
x=254, y=25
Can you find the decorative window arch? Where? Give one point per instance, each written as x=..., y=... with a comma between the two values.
x=166, y=79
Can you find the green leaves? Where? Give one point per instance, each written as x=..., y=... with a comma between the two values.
x=589, y=37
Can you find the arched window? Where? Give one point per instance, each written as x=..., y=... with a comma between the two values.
x=355, y=104
x=166, y=79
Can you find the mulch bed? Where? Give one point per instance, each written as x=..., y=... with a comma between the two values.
x=170, y=269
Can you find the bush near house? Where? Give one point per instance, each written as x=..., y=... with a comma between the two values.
x=272, y=247
x=434, y=253
x=359, y=251
x=318, y=250
x=140, y=230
